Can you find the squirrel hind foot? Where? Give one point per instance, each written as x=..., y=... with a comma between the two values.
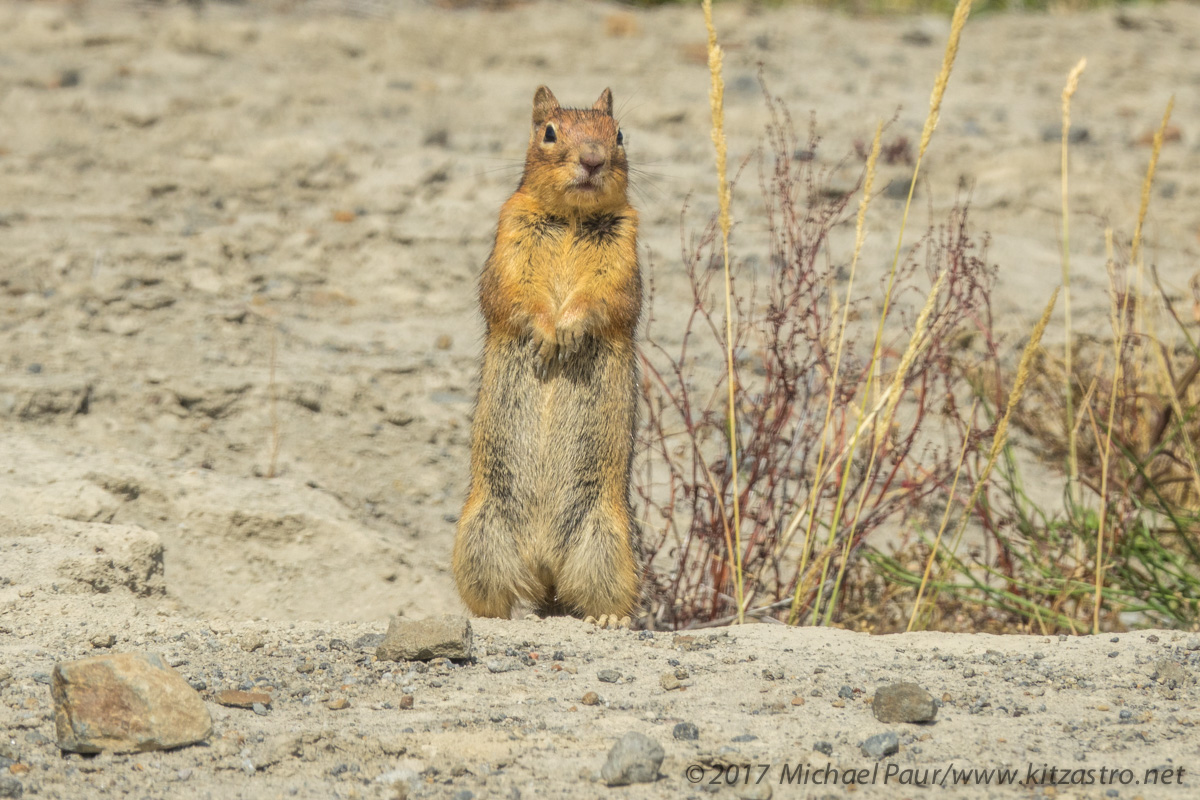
x=608, y=621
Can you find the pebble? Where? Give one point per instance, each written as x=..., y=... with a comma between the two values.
x=903, y=702
x=11, y=787
x=686, y=731
x=880, y=745
x=123, y=703
x=608, y=675
x=251, y=642
x=590, y=699
x=504, y=665
x=448, y=636
x=337, y=704
x=103, y=641
x=635, y=758
x=668, y=681
x=406, y=701
x=824, y=748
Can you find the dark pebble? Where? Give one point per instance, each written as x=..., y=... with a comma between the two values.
x=608, y=675
x=824, y=748
x=745, y=737
x=686, y=731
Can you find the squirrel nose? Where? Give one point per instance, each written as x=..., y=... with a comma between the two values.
x=592, y=160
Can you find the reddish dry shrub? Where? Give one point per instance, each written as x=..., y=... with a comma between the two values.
x=785, y=341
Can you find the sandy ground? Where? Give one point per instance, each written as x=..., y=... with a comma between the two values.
x=183, y=194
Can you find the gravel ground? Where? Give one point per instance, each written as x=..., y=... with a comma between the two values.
x=249, y=236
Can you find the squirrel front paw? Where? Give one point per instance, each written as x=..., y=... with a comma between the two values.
x=545, y=345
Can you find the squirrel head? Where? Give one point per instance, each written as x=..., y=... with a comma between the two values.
x=576, y=158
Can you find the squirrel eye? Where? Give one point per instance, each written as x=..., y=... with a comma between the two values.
x=620, y=137
x=551, y=136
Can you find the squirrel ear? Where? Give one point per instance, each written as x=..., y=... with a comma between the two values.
x=604, y=103
x=544, y=104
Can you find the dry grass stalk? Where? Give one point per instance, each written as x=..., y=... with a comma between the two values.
x=717, y=104
x=894, y=392
x=1120, y=323
x=1001, y=436
x=961, y=11
x=937, y=542
x=1072, y=454
x=860, y=233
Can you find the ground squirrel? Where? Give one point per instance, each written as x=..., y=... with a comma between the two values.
x=548, y=518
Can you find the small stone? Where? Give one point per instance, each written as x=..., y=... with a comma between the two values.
x=745, y=737
x=797, y=700
x=307, y=667
x=406, y=701
x=11, y=787
x=668, y=681
x=1193, y=643
x=903, y=702
x=443, y=342
x=124, y=703
x=443, y=637
x=504, y=665
x=236, y=698
x=881, y=745
x=968, y=672
x=824, y=748
x=635, y=758
x=337, y=704
x=251, y=642
x=686, y=731
x=608, y=676
x=590, y=699
x=103, y=641
x=259, y=709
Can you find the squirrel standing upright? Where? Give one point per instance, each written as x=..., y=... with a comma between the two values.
x=548, y=519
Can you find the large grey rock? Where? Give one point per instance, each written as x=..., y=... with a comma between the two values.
x=441, y=637
x=635, y=758
x=903, y=702
x=125, y=702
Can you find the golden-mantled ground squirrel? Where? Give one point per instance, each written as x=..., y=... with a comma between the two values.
x=548, y=519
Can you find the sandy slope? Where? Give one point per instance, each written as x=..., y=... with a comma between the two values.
x=182, y=193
